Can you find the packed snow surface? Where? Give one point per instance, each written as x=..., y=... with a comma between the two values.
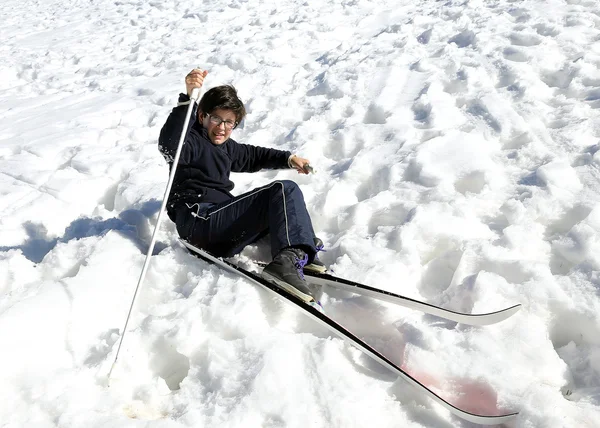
x=457, y=152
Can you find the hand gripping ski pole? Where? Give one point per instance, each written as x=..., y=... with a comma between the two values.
x=194, y=97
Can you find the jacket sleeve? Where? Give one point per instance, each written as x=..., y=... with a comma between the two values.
x=171, y=132
x=247, y=158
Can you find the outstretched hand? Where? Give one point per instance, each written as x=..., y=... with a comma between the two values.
x=194, y=79
x=300, y=164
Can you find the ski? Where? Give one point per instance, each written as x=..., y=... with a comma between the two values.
x=397, y=299
x=348, y=336
x=481, y=319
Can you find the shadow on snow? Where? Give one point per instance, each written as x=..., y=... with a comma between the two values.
x=131, y=224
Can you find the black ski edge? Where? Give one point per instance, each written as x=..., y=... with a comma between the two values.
x=345, y=334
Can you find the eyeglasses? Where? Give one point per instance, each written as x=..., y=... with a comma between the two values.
x=217, y=121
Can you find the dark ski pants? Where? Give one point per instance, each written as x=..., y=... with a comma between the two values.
x=224, y=229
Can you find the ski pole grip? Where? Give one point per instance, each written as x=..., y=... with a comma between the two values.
x=195, y=94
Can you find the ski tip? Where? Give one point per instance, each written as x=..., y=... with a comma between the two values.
x=494, y=317
x=509, y=312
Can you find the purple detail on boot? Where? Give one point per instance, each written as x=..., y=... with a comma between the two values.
x=300, y=263
x=319, y=248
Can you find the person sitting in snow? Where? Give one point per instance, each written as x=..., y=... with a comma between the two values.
x=205, y=212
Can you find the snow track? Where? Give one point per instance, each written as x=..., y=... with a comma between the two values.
x=457, y=150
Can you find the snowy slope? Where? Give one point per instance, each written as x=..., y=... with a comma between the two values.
x=457, y=153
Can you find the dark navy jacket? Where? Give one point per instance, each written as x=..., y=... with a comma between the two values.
x=203, y=171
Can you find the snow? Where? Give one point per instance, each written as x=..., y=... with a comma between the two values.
x=457, y=154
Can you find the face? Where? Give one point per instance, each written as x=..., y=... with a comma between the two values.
x=218, y=134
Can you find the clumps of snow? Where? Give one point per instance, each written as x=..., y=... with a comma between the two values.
x=456, y=146
x=457, y=161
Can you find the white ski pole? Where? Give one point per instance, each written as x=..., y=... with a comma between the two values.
x=194, y=97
